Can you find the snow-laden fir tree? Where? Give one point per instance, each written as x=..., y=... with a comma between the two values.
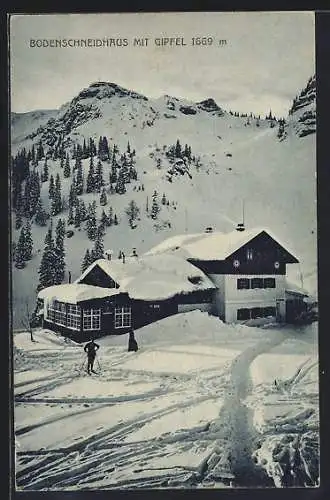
x=110, y=217
x=83, y=210
x=57, y=197
x=59, y=252
x=28, y=242
x=99, y=182
x=104, y=220
x=103, y=198
x=33, y=183
x=19, y=209
x=26, y=198
x=163, y=199
x=41, y=215
x=67, y=169
x=113, y=175
x=132, y=212
x=73, y=198
x=45, y=172
x=48, y=262
x=19, y=256
x=79, y=178
x=120, y=185
x=51, y=187
x=98, y=251
x=155, y=209
x=77, y=217
x=115, y=220
x=70, y=216
x=90, y=182
x=87, y=261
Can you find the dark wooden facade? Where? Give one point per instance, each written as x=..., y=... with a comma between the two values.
x=107, y=307
x=261, y=255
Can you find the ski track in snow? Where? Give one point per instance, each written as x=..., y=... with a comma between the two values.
x=178, y=428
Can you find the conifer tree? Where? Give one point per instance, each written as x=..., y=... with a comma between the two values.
x=79, y=184
x=104, y=220
x=57, y=198
x=82, y=210
x=115, y=220
x=120, y=186
x=155, y=209
x=98, y=245
x=70, y=216
x=19, y=257
x=77, y=217
x=90, y=182
x=91, y=227
x=48, y=262
x=34, y=192
x=45, y=172
x=110, y=217
x=41, y=215
x=51, y=187
x=86, y=261
x=67, y=170
x=26, y=198
x=99, y=177
x=103, y=198
x=73, y=198
x=132, y=212
x=40, y=151
x=28, y=242
x=18, y=220
x=163, y=199
x=178, y=150
x=59, y=252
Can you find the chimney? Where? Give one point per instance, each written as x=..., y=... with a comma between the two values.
x=108, y=254
x=240, y=227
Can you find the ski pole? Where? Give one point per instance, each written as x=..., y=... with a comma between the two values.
x=97, y=359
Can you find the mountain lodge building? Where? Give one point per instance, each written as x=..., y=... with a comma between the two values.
x=238, y=276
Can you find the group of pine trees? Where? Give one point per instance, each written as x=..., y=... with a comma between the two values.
x=52, y=265
x=176, y=151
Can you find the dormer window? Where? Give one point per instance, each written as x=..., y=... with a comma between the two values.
x=249, y=254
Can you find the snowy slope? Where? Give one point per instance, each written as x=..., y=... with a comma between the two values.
x=172, y=414
x=275, y=178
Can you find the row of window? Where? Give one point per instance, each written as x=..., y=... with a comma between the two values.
x=69, y=315
x=255, y=312
x=247, y=283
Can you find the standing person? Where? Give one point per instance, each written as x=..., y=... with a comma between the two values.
x=132, y=344
x=91, y=348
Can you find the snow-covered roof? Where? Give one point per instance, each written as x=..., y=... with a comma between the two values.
x=74, y=293
x=211, y=246
x=153, y=277
x=295, y=289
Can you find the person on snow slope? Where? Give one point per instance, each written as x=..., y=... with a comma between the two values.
x=91, y=348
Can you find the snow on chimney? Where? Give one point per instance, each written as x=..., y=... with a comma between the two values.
x=134, y=253
x=108, y=254
x=240, y=227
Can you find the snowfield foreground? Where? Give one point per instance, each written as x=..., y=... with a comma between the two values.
x=200, y=405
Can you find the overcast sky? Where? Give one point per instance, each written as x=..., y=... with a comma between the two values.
x=267, y=60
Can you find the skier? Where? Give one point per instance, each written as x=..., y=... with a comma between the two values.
x=91, y=348
x=132, y=344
